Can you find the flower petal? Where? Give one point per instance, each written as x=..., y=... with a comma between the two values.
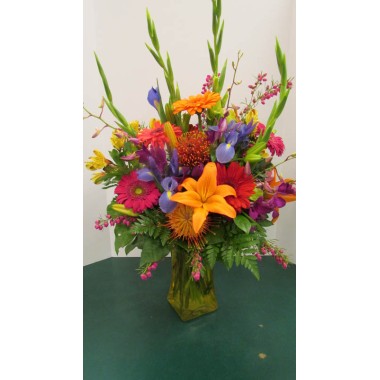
x=199, y=216
x=145, y=175
x=225, y=191
x=166, y=204
x=225, y=153
x=188, y=198
x=189, y=184
x=218, y=205
x=206, y=185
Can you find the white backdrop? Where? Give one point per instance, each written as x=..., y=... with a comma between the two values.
x=117, y=31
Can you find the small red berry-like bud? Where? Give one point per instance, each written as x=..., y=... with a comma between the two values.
x=148, y=274
x=112, y=222
x=100, y=227
x=108, y=216
x=197, y=276
x=105, y=224
x=143, y=276
x=284, y=265
x=97, y=221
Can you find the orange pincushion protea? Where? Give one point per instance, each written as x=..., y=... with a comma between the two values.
x=180, y=221
x=193, y=149
x=197, y=103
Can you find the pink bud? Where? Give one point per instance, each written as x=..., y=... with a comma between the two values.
x=112, y=222
x=197, y=276
x=105, y=224
x=148, y=274
x=143, y=277
x=100, y=227
x=259, y=257
x=284, y=265
x=108, y=216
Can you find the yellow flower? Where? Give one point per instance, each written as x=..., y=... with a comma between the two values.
x=97, y=162
x=252, y=115
x=153, y=122
x=135, y=125
x=195, y=104
x=205, y=196
x=169, y=132
x=118, y=139
x=98, y=177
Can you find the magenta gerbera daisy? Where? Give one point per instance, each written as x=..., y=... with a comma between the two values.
x=135, y=194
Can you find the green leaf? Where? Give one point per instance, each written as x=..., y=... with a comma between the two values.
x=221, y=79
x=265, y=223
x=212, y=57
x=155, y=56
x=104, y=79
x=250, y=262
x=219, y=39
x=211, y=253
x=123, y=236
x=152, y=251
x=243, y=223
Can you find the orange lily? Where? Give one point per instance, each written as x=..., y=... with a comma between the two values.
x=205, y=196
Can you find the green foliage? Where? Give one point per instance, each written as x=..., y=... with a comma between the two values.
x=123, y=237
x=152, y=250
x=125, y=126
x=243, y=223
x=230, y=243
x=150, y=224
x=279, y=104
x=250, y=262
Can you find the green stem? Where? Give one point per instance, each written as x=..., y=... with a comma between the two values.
x=98, y=117
x=199, y=121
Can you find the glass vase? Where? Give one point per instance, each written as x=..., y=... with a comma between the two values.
x=190, y=298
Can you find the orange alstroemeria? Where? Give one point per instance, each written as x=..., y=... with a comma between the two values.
x=205, y=196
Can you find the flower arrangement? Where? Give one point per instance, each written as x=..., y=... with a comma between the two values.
x=199, y=181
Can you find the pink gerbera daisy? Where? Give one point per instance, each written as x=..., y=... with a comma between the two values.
x=135, y=194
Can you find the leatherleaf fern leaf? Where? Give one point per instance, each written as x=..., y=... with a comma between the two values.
x=231, y=245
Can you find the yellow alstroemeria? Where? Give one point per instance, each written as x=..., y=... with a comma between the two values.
x=98, y=177
x=97, y=162
x=118, y=139
x=252, y=115
x=135, y=125
x=205, y=196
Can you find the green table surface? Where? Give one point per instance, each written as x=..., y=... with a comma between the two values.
x=131, y=331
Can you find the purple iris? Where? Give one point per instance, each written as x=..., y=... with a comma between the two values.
x=145, y=175
x=226, y=151
x=215, y=132
x=155, y=160
x=170, y=185
x=154, y=97
x=174, y=164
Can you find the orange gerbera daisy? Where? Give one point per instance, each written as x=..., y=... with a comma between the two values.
x=197, y=103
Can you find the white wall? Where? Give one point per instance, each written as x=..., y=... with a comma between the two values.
x=117, y=30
